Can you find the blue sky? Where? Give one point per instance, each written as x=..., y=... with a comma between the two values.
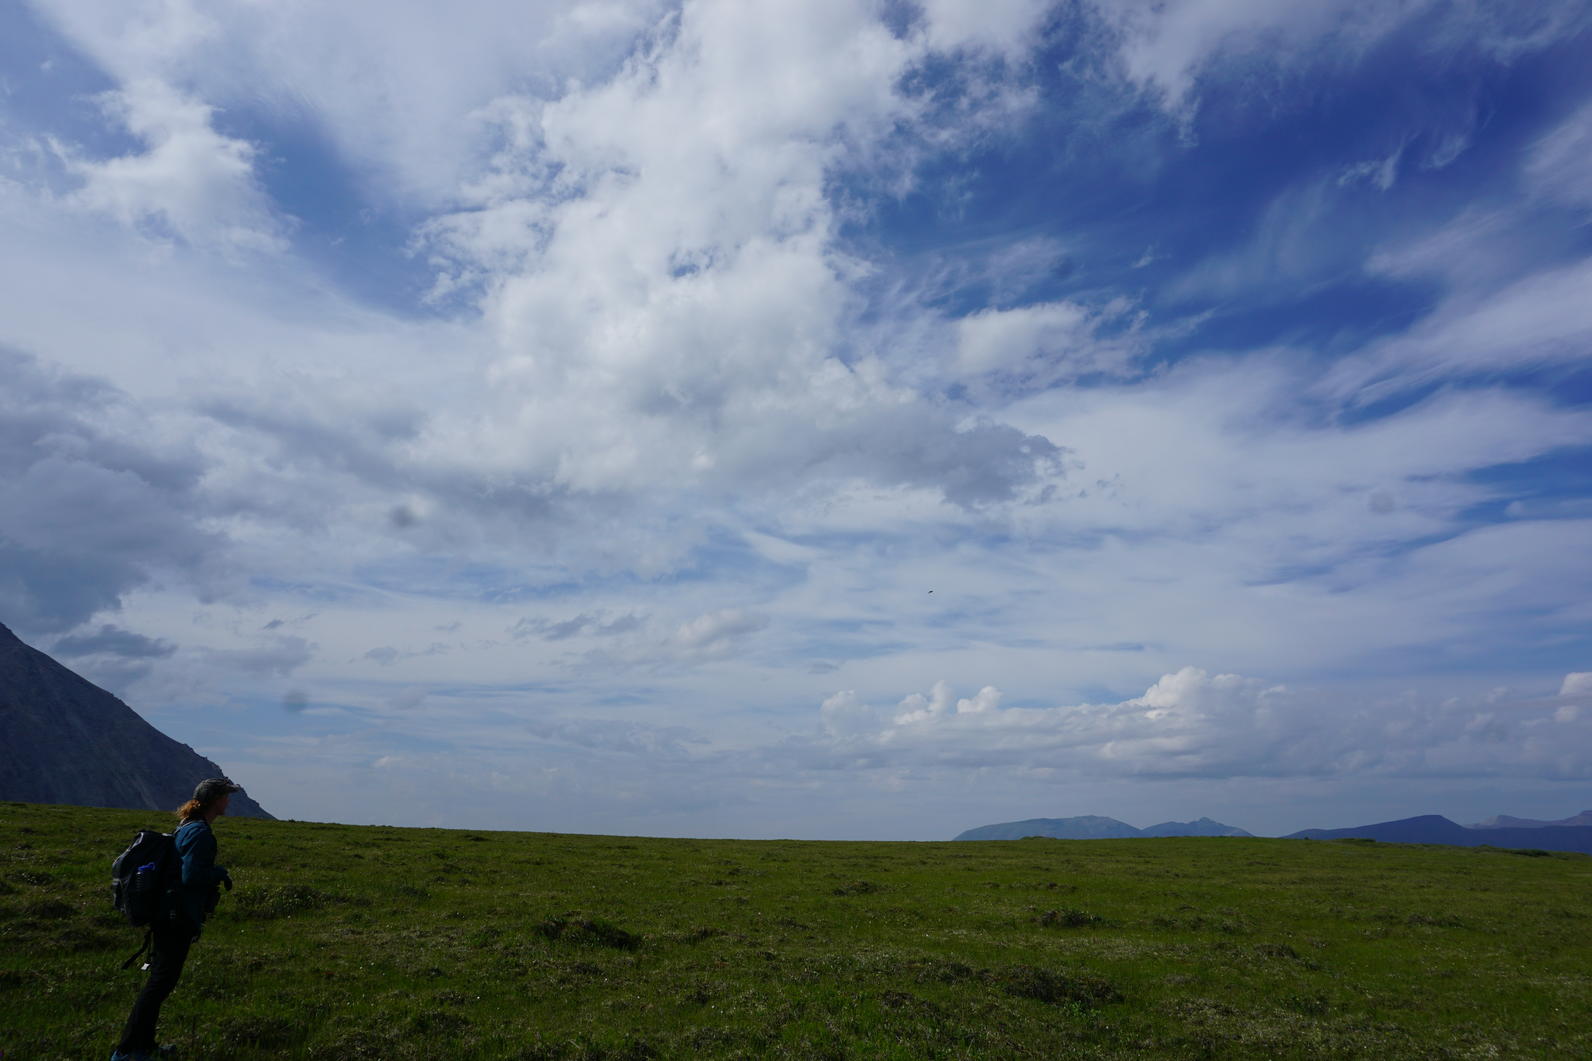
x=818, y=419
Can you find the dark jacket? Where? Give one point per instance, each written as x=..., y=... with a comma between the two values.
x=201, y=878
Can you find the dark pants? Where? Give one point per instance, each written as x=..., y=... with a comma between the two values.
x=169, y=951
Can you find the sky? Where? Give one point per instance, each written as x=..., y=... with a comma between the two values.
x=811, y=418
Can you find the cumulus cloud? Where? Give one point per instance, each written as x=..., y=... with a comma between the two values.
x=670, y=313
x=674, y=266
x=938, y=704
x=190, y=182
x=1191, y=723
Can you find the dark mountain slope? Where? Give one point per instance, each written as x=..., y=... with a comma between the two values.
x=65, y=740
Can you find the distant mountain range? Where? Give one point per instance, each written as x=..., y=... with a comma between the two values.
x=1095, y=827
x=63, y=739
x=1504, y=821
x=1435, y=829
x=1566, y=834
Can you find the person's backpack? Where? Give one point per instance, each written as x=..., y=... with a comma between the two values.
x=143, y=874
x=141, y=878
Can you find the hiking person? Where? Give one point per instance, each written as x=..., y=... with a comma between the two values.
x=182, y=913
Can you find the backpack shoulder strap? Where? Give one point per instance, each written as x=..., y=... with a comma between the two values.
x=148, y=935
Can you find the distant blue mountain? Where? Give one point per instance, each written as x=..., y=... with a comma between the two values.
x=1198, y=827
x=1095, y=827
x=1504, y=821
x=1435, y=829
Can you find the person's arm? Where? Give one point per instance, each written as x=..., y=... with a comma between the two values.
x=199, y=869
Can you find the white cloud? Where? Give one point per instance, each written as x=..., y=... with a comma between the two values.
x=399, y=90
x=1166, y=45
x=1560, y=164
x=191, y=182
x=1037, y=346
x=717, y=633
x=1542, y=319
x=678, y=274
x=1169, y=46
x=1005, y=27
x=1380, y=173
x=917, y=707
x=1192, y=723
x=844, y=714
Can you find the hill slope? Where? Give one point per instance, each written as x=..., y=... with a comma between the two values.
x=66, y=740
x=1505, y=821
x=1094, y=827
x=1198, y=827
x=1435, y=829
x=345, y=942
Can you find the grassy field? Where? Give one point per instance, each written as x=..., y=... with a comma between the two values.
x=368, y=942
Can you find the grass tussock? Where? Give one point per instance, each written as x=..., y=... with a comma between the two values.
x=345, y=942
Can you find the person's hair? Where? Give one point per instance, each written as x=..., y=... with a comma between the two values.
x=192, y=809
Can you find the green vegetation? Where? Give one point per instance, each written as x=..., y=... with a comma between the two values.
x=358, y=942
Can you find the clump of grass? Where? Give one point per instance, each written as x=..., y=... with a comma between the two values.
x=591, y=932
x=856, y=887
x=47, y=909
x=279, y=900
x=1069, y=917
x=257, y=1032
x=37, y=878
x=1056, y=988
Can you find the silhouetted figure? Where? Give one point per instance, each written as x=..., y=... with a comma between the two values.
x=182, y=914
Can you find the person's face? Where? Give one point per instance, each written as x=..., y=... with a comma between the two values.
x=219, y=807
